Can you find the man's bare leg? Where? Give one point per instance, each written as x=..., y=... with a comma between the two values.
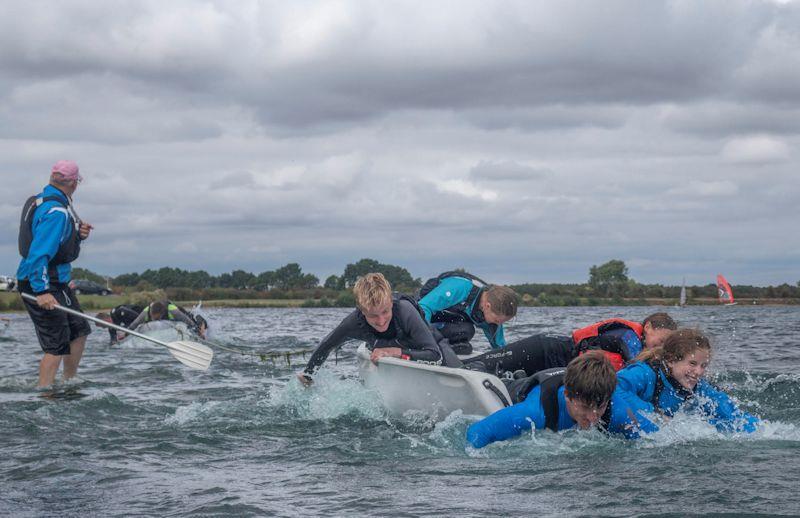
x=72, y=360
x=48, y=369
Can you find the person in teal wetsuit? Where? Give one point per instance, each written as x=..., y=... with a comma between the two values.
x=581, y=396
x=455, y=303
x=670, y=378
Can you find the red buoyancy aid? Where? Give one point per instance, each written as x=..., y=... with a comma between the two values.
x=585, y=334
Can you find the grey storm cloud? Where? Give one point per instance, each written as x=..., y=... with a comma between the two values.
x=523, y=141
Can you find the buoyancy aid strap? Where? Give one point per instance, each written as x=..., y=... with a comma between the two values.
x=549, y=399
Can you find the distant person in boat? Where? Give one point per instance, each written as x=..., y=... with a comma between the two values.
x=582, y=395
x=123, y=315
x=455, y=303
x=50, y=237
x=620, y=340
x=671, y=378
x=390, y=324
x=165, y=310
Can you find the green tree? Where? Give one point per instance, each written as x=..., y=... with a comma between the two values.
x=265, y=280
x=291, y=277
x=609, y=279
x=331, y=283
x=398, y=276
x=82, y=273
x=242, y=280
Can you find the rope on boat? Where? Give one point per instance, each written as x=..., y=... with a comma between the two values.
x=263, y=356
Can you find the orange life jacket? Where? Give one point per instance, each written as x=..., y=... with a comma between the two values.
x=585, y=339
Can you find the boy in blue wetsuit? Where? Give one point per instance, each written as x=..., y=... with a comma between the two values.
x=581, y=396
x=620, y=340
x=455, y=303
x=671, y=378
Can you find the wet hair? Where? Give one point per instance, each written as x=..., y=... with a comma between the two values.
x=158, y=309
x=503, y=300
x=660, y=321
x=372, y=290
x=677, y=346
x=590, y=378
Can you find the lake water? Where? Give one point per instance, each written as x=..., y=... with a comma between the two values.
x=139, y=434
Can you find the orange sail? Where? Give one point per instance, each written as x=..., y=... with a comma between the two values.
x=724, y=290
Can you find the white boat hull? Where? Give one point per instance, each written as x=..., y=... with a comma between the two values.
x=438, y=391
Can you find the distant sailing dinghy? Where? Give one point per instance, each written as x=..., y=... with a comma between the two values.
x=432, y=389
x=683, y=293
x=725, y=292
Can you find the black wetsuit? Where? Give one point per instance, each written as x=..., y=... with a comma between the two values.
x=123, y=315
x=407, y=330
x=532, y=354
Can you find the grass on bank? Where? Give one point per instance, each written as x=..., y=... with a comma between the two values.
x=11, y=301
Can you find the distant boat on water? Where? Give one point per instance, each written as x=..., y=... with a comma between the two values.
x=683, y=293
x=724, y=291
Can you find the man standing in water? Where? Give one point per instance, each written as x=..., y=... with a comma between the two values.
x=50, y=235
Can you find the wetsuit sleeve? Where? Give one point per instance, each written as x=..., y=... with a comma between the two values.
x=637, y=379
x=727, y=416
x=139, y=320
x=627, y=415
x=48, y=233
x=632, y=342
x=346, y=330
x=449, y=292
x=508, y=422
x=422, y=345
x=180, y=316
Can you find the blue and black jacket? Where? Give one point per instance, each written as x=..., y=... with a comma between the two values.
x=538, y=411
x=456, y=299
x=649, y=383
x=51, y=242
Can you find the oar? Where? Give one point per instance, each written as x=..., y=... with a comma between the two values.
x=193, y=355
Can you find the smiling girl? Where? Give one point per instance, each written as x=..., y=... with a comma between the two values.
x=672, y=378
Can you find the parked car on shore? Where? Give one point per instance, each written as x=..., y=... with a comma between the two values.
x=7, y=283
x=88, y=287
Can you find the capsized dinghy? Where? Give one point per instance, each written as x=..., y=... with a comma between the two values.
x=164, y=330
x=405, y=385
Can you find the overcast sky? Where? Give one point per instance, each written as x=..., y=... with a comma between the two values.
x=525, y=141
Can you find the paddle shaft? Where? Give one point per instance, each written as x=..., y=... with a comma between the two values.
x=101, y=322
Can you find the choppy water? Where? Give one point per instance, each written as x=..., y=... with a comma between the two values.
x=141, y=435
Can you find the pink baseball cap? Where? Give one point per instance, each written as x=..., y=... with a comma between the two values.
x=68, y=169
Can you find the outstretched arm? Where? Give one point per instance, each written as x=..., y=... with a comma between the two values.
x=341, y=333
x=508, y=422
x=726, y=415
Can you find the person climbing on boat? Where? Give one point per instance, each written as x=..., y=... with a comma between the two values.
x=123, y=315
x=390, y=324
x=582, y=395
x=620, y=340
x=671, y=377
x=457, y=302
x=165, y=310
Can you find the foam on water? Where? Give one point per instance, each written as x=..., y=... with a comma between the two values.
x=192, y=412
x=328, y=398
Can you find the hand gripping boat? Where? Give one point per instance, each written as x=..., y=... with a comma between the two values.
x=406, y=385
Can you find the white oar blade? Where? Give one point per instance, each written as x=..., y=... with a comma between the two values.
x=193, y=355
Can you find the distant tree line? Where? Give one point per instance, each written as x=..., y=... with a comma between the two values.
x=288, y=277
x=607, y=282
